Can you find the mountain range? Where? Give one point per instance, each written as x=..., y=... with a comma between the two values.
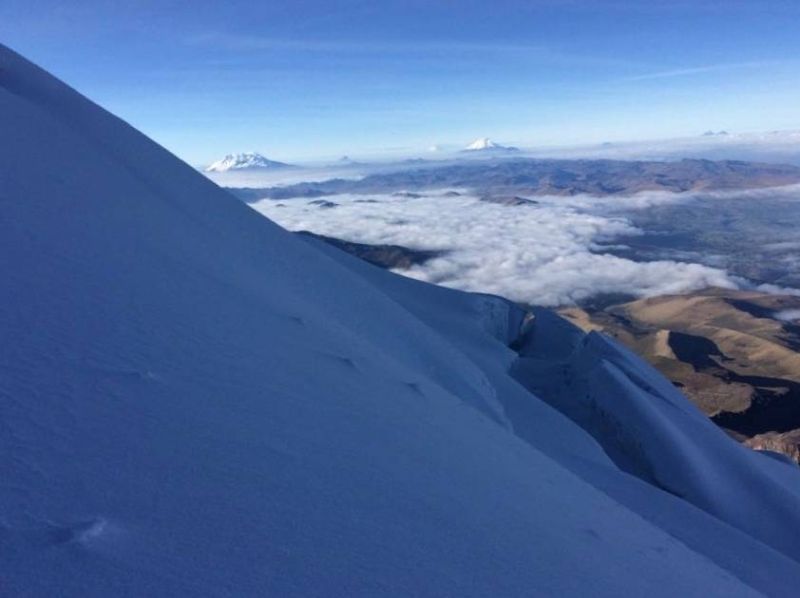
x=529, y=176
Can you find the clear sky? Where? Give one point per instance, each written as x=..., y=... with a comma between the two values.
x=303, y=79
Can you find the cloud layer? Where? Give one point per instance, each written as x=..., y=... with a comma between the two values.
x=542, y=254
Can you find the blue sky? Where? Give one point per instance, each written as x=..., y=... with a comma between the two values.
x=309, y=79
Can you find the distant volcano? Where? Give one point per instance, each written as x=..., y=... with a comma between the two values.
x=484, y=144
x=246, y=161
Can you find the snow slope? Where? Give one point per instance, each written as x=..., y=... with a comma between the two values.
x=197, y=403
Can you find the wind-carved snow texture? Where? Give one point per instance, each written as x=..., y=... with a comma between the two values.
x=197, y=403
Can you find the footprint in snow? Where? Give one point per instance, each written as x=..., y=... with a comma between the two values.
x=78, y=533
x=416, y=387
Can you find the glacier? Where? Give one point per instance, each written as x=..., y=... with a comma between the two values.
x=196, y=402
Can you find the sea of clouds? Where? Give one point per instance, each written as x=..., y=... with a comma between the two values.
x=545, y=254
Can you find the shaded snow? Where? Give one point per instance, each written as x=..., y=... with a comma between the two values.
x=195, y=402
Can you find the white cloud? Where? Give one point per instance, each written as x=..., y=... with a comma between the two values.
x=701, y=70
x=265, y=177
x=788, y=315
x=777, y=290
x=774, y=146
x=538, y=254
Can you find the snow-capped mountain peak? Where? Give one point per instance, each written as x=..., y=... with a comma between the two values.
x=244, y=161
x=486, y=144
x=482, y=143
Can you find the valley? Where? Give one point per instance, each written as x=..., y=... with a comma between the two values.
x=728, y=351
